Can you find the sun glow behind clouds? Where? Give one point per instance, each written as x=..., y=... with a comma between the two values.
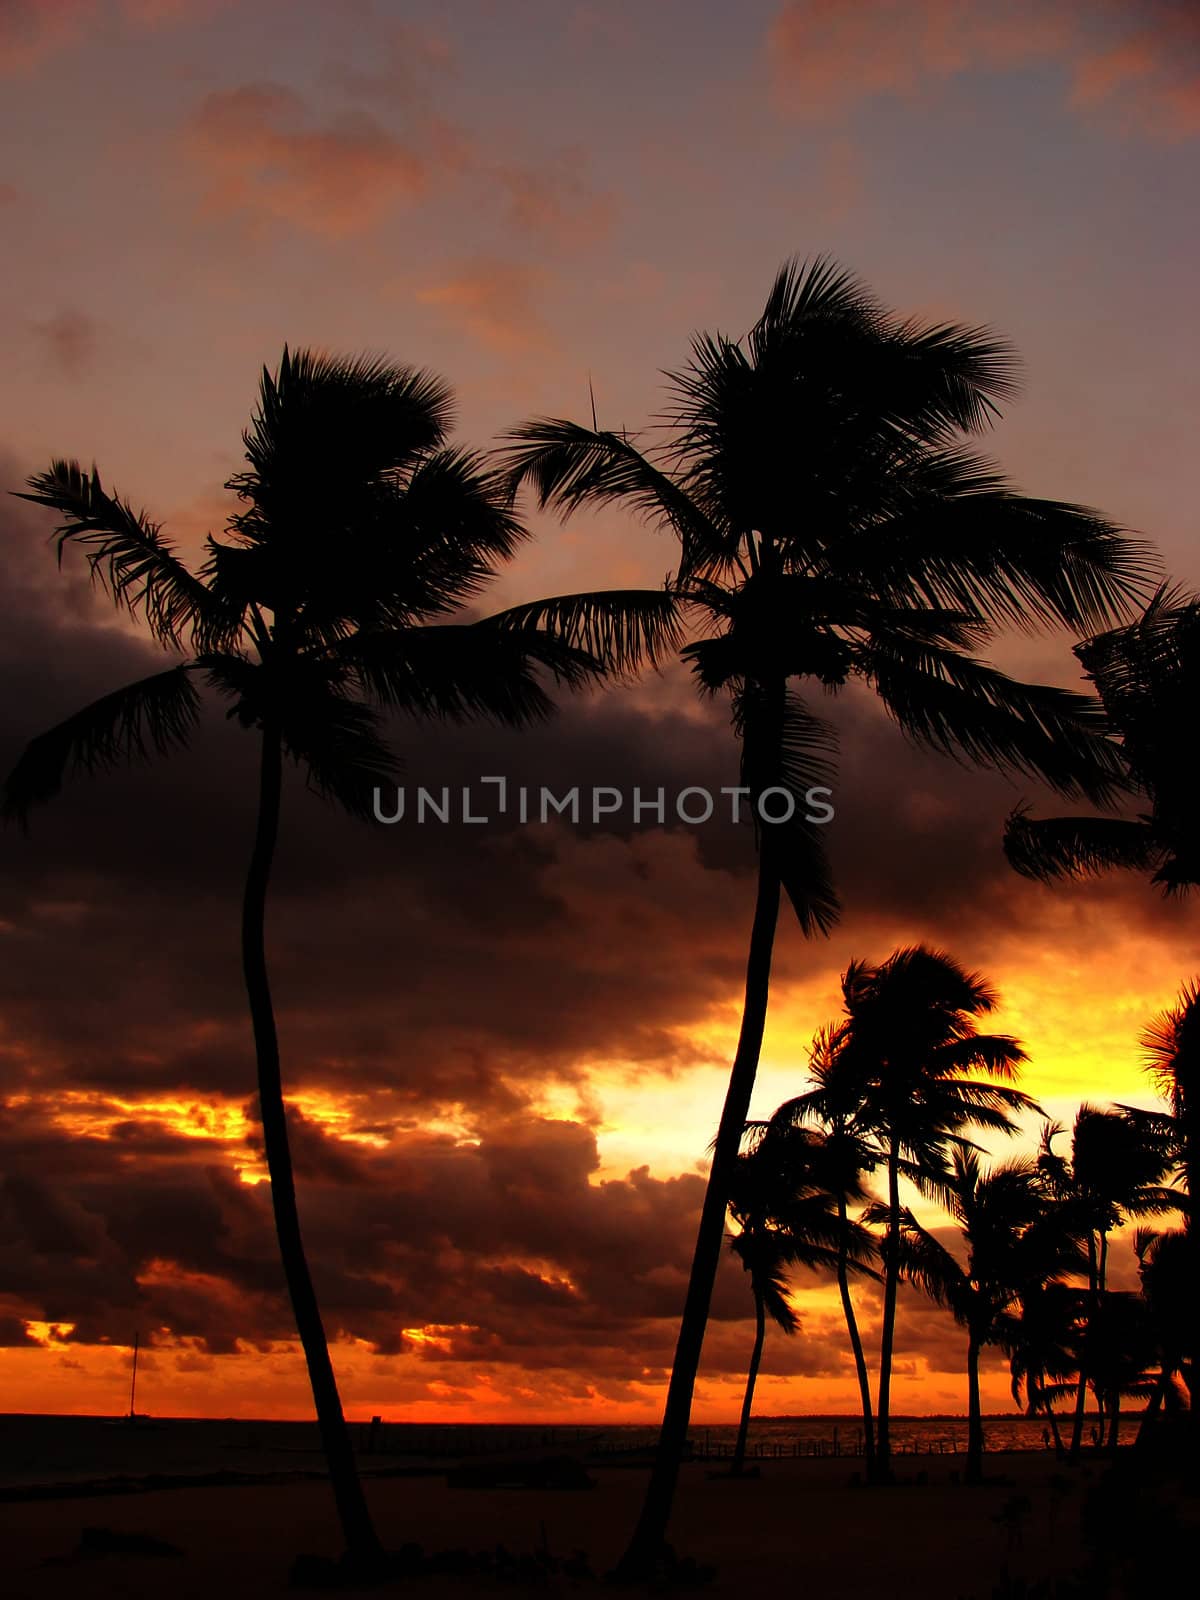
x=1079, y=1019
x=50, y=1335
x=105, y=1116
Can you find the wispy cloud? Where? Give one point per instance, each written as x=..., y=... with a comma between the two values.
x=31, y=30
x=263, y=152
x=1138, y=63
x=494, y=302
x=369, y=142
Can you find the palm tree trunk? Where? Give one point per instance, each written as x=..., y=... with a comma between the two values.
x=357, y=1529
x=1077, y=1423
x=1114, y=1426
x=891, y=1280
x=1189, y=1127
x=1145, y=1431
x=649, y=1537
x=974, y=1471
x=1052, y=1418
x=760, y=1334
x=856, y=1344
x=1081, y=1392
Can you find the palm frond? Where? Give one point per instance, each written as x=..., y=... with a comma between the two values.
x=1046, y=848
x=997, y=1053
x=786, y=748
x=453, y=526
x=154, y=715
x=957, y=374
x=327, y=425
x=926, y=1262
x=623, y=628
x=338, y=745
x=958, y=536
x=1131, y=665
x=958, y=705
x=457, y=672
x=129, y=556
x=814, y=289
x=570, y=466
x=1171, y=1046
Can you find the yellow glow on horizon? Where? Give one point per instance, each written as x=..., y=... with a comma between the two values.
x=337, y=1115
x=437, y=1335
x=96, y=1116
x=1079, y=1019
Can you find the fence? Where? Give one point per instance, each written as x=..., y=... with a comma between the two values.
x=452, y=1441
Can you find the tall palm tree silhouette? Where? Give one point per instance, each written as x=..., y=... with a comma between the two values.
x=837, y=1103
x=912, y=1038
x=359, y=532
x=1172, y=1052
x=1012, y=1242
x=790, y=1213
x=832, y=525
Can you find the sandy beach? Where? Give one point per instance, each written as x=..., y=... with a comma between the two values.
x=802, y=1522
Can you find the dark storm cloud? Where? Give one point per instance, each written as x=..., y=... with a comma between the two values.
x=506, y=1248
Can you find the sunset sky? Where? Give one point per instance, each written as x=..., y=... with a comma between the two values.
x=505, y=1047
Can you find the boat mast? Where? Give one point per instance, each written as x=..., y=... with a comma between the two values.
x=133, y=1380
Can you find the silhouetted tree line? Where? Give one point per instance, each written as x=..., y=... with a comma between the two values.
x=832, y=520
x=898, y=1085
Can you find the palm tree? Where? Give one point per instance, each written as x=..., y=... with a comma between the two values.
x=1147, y=675
x=1011, y=1243
x=833, y=525
x=1115, y=1170
x=1043, y=1349
x=1172, y=1048
x=1170, y=1293
x=911, y=1038
x=765, y=1250
x=836, y=1103
x=788, y=1215
x=1118, y=1161
x=1120, y=1352
x=358, y=532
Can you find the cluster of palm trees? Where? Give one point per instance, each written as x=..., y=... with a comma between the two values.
x=897, y=1086
x=832, y=521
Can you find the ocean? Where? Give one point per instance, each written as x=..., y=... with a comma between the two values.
x=58, y=1450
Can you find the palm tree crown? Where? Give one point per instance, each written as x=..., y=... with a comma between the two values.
x=832, y=525
x=912, y=1038
x=359, y=531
